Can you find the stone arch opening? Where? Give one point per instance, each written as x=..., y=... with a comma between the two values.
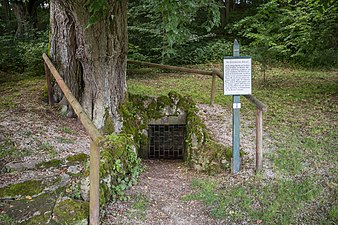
x=166, y=138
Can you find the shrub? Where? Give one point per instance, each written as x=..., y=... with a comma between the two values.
x=23, y=55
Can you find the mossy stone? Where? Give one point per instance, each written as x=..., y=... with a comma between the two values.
x=30, y=187
x=81, y=157
x=70, y=211
x=40, y=220
x=48, y=164
x=37, y=210
x=108, y=126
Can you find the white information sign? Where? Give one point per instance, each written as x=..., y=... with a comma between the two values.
x=237, y=75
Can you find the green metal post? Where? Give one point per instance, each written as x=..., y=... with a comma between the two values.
x=236, y=105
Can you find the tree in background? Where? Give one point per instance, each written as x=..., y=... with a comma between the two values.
x=165, y=26
x=23, y=35
x=6, y=15
x=25, y=12
x=301, y=32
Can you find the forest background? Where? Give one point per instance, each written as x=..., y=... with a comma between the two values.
x=275, y=32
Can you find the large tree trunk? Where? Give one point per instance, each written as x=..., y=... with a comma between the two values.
x=92, y=60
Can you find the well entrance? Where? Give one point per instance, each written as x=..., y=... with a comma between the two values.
x=166, y=141
x=166, y=136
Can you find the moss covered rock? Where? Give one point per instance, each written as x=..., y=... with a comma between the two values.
x=27, y=188
x=201, y=152
x=70, y=211
x=48, y=164
x=78, y=158
x=36, y=210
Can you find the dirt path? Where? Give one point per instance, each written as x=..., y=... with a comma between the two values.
x=162, y=186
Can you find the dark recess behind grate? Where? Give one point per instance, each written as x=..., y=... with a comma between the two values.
x=166, y=141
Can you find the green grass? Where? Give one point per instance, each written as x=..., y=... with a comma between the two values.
x=67, y=130
x=302, y=123
x=6, y=219
x=49, y=149
x=275, y=203
x=139, y=207
x=8, y=150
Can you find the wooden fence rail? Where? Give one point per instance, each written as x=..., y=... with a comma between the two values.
x=93, y=132
x=260, y=107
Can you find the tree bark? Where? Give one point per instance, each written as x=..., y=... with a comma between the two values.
x=91, y=60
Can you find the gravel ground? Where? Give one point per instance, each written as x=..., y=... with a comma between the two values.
x=36, y=133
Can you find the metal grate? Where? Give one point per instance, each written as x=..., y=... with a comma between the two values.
x=166, y=141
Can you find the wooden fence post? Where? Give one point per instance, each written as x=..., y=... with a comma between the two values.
x=213, y=82
x=95, y=136
x=94, y=179
x=49, y=85
x=259, y=140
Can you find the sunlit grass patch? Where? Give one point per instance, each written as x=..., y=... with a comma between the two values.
x=275, y=203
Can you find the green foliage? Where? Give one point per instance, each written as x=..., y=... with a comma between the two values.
x=202, y=51
x=98, y=10
x=74, y=191
x=166, y=25
x=23, y=55
x=302, y=33
x=119, y=167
